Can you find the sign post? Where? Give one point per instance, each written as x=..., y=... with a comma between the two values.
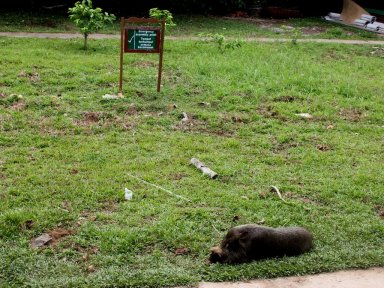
x=142, y=35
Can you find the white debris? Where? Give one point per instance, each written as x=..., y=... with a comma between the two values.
x=128, y=194
x=304, y=115
x=111, y=97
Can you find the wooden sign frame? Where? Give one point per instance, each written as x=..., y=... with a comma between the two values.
x=143, y=26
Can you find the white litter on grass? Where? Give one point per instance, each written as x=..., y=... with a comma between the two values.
x=128, y=194
x=111, y=97
x=305, y=115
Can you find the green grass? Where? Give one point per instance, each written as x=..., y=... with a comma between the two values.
x=65, y=154
x=193, y=25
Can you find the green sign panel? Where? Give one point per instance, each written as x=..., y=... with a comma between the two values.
x=142, y=40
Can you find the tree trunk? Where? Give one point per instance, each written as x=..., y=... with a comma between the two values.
x=85, y=41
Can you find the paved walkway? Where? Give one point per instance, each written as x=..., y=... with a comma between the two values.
x=371, y=278
x=251, y=39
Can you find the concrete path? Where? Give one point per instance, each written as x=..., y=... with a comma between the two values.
x=251, y=39
x=371, y=278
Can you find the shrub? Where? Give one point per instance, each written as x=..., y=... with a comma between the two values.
x=163, y=15
x=89, y=19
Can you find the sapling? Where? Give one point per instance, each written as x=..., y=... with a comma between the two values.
x=163, y=15
x=88, y=19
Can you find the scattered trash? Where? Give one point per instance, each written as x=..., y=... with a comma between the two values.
x=201, y=166
x=244, y=197
x=112, y=97
x=41, y=241
x=128, y=194
x=185, y=117
x=275, y=189
x=330, y=126
x=158, y=187
x=91, y=269
x=305, y=115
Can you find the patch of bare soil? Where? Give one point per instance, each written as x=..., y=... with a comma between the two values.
x=92, y=117
x=59, y=233
x=177, y=176
x=191, y=124
x=270, y=112
x=304, y=199
x=144, y=64
x=323, y=147
x=286, y=98
x=18, y=106
x=351, y=114
x=313, y=30
x=31, y=76
x=380, y=211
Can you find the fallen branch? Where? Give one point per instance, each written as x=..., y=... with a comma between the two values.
x=201, y=166
x=275, y=189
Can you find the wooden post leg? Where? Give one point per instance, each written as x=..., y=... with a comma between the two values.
x=161, y=55
x=121, y=55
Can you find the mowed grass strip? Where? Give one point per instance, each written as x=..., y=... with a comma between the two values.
x=65, y=156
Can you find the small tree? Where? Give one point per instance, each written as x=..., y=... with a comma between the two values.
x=87, y=19
x=163, y=15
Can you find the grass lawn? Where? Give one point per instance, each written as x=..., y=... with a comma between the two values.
x=66, y=156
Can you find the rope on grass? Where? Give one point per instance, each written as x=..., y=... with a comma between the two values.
x=275, y=189
x=158, y=187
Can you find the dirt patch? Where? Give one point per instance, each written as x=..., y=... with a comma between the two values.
x=177, y=176
x=144, y=64
x=18, y=106
x=270, y=112
x=380, y=211
x=351, y=114
x=59, y=233
x=109, y=207
x=92, y=117
x=301, y=198
x=28, y=225
x=279, y=147
x=192, y=124
x=313, y=30
x=132, y=110
x=181, y=251
x=286, y=98
x=323, y=147
x=31, y=76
